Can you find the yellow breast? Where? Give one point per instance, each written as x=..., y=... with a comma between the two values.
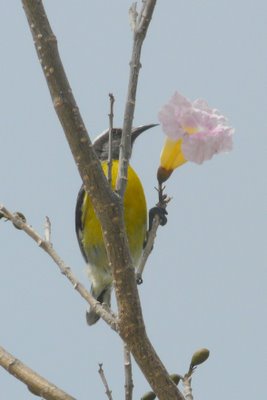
x=135, y=216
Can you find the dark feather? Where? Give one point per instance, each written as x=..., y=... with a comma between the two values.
x=78, y=220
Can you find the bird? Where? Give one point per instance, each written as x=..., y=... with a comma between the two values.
x=88, y=228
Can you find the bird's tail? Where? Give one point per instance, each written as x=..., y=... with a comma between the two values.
x=103, y=297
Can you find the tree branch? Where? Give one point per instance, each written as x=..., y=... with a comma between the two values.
x=105, y=383
x=147, y=249
x=140, y=26
x=64, y=269
x=107, y=204
x=36, y=384
x=110, y=116
x=128, y=373
x=65, y=106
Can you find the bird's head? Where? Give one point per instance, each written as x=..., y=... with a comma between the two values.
x=101, y=143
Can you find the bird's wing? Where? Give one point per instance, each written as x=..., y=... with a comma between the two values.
x=78, y=220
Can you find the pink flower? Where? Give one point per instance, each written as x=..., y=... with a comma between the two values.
x=194, y=132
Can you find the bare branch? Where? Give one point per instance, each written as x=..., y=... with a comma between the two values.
x=105, y=383
x=111, y=115
x=64, y=268
x=36, y=384
x=140, y=30
x=128, y=373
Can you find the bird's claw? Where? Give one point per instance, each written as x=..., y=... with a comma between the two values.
x=139, y=279
x=162, y=214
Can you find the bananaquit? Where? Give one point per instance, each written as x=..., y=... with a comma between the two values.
x=88, y=228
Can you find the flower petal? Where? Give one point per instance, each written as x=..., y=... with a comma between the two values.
x=171, y=155
x=170, y=116
x=203, y=145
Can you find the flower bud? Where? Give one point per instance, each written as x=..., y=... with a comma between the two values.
x=175, y=378
x=199, y=357
x=149, y=396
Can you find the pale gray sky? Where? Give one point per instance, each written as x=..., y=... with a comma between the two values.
x=205, y=283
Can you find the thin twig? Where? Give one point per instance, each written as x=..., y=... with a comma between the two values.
x=152, y=233
x=110, y=153
x=47, y=229
x=105, y=383
x=36, y=383
x=128, y=373
x=140, y=31
x=148, y=248
x=64, y=268
x=133, y=14
x=188, y=395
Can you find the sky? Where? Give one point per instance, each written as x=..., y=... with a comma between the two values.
x=205, y=282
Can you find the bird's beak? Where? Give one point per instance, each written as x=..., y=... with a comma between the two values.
x=137, y=131
x=101, y=142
